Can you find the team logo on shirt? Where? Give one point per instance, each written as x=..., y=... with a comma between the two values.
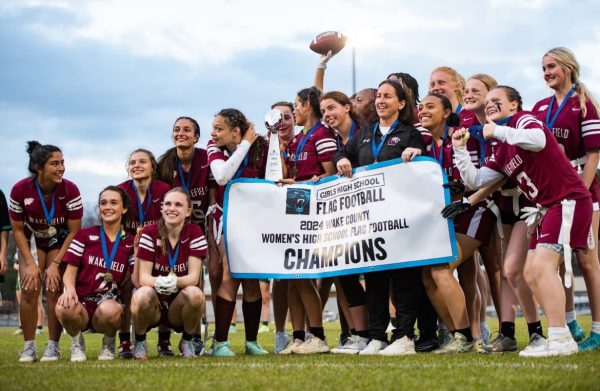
x=94, y=237
x=393, y=141
x=28, y=201
x=543, y=107
x=297, y=202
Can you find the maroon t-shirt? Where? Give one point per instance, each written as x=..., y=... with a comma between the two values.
x=198, y=179
x=151, y=207
x=85, y=252
x=544, y=177
x=320, y=147
x=191, y=244
x=25, y=206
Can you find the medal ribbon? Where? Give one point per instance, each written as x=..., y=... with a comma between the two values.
x=172, y=257
x=550, y=122
x=242, y=167
x=376, y=148
x=141, y=210
x=108, y=260
x=350, y=135
x=49, y=215
x=303, y=142
x=440, y=158
x=184, y=184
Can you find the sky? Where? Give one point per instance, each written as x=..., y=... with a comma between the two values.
x=102, y=78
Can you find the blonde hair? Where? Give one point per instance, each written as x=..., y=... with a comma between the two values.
x=487, y=80
x=567, y=61
x=457, y=78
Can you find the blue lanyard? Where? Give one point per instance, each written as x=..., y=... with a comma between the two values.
x=550, y=122
x=184, y=184
x=477, y=132
x=49, y=215
x=108, y=260
x=304, y=141
x=172, y=257
x=440, y=158
x=339, y=140
x=141, y=211
x=504, y=121
x=376, y=148
x=242, y=167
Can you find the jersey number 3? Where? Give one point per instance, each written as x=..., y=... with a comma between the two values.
x=529, y=188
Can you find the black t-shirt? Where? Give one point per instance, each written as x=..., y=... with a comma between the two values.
x=4, y=220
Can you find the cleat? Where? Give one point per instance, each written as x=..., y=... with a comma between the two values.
x=400, y=347
x=590, y=343
x=423, y=345
x=485, y=333
x=354, y=345
x=373, y=348
x=263, y=329
x=222, y=349
x=18, y=331
x=29, y=353
x=281, y=341
x=253, y=348
x=187, y=348
x=479, y=346
x=51, y=353
x=164, y=349
x=198, y=345
x=536, y=346
x=291, y=346
x=232, y=329
x=576, y=331
x=563, y=345
x=344, y=338
x=502, y=344
x=458, y=344
x=140, y=350
x=125, y=351
x=107, y=351
x=312, y=345
x=78, y=348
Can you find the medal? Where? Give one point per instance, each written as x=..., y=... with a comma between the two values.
x=51, y=231
x=294, y=171
x=139, y=229
x=48, y=214
x=108, y=259
x=172, y=273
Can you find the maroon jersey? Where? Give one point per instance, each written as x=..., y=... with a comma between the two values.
x=544, y=177
x=85, y=252
x=320, y=147
x=198, y=180
x=575, y=132
x=250, y=170
x=191, y=244
x=151, y=207
x=25, y=206
x=444, y=153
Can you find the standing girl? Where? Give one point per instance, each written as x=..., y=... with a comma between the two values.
x=49, y=207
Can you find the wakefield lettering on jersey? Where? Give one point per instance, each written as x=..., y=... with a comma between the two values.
x=386, y=216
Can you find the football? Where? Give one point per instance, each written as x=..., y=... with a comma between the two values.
x=329, y=40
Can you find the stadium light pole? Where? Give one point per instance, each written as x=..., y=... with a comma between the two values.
x=353, y=69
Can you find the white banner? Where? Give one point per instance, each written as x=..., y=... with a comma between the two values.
x=386, y=216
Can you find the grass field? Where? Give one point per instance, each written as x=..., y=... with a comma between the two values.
x=422, y=371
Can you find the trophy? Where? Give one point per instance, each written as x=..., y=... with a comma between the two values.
x=273, y=122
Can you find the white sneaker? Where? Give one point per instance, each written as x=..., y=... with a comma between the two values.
x=18, y=331
x=107, y=351
x=354, y=345
x=535, y=348
x=78, y=348
x=291, y=346
x=563, y=345
x=51, y=353
x=400, y=347
x=281, y=341
x=373, y=348
x=312, y=345
x=29, y=353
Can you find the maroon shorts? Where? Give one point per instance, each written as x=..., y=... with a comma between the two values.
x=165, y=304
x=478, y=222
x=548, y=231
x=90, y=307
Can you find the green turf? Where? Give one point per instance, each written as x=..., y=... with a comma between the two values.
x=421, y=372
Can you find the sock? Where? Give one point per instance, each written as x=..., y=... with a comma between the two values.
x=596, y=328
x=570, y=316
x=140, y=337
x=40, y=327
x=299, y=335
x=164, y=336
x=265, y=323
x=535, y=327
x=362, y=333
x=186, y=336
x=233, y=324
x=467, y=333
x=317, y=332
x=223, y=313
x=251, y=311
x=124, y=337
x=508, y=329
x=197, y=337
x=393, y=321
x=557, y=331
